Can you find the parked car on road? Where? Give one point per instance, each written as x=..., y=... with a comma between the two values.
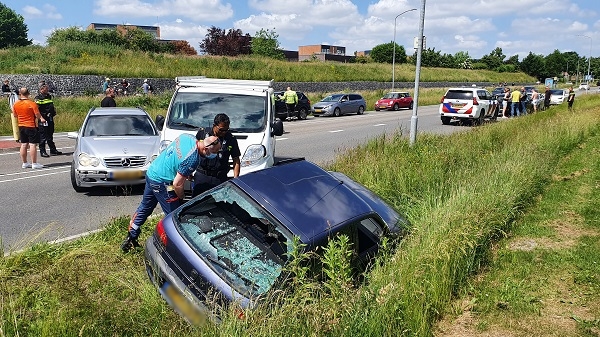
x=584, y=86
x=339, y=104
x=114, y=147
x=394, y=101
x=300, y=112
x=558, y=96
x=468, y=104
x=230, y=244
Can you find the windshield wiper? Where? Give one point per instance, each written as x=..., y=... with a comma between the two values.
x=247, y=281
x=188, y=125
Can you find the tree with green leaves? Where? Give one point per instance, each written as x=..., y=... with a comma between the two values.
x=13, y=30
x=265, y=43
x=384, y=53
x=462, y=60
x=494, y=59
x=534, y=65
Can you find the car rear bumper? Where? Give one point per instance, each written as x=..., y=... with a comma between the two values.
x=172, y=289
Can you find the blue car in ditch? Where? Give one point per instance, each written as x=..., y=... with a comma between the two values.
x=230, y=244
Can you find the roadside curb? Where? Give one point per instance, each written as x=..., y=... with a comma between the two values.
x=8, y=145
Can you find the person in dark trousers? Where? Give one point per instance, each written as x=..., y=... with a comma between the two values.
x=46, y=129
x=165, y=180
x=212, y=172
x=290, y=97
x=571, y=98
x=547, y=95
x=109, y=100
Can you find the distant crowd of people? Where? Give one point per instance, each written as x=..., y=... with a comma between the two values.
x=515, y=103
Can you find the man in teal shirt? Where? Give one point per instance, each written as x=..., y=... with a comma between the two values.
x=165, y=180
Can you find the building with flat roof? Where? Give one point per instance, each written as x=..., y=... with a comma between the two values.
x=152, y=30
x=323, y=52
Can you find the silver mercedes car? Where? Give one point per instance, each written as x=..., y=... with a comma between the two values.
x=114, y=147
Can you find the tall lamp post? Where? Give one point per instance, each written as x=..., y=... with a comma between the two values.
x=394, y=53
x=590, y=58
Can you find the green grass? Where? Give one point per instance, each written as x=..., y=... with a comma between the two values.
x=468, y=205
x=79, y=59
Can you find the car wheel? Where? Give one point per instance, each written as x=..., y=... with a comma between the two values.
x=302, y=113
x=396, y=107
x=74, y=182
x=337, y=112
x=410, y=106
x=481, y=118
x=376, y=109
x=361, y=110
x=445, y=120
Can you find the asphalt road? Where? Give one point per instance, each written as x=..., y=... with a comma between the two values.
x=41, y=205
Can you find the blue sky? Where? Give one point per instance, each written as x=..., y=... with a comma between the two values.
x=475, y=26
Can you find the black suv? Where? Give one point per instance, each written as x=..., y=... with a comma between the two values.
x=302, y=107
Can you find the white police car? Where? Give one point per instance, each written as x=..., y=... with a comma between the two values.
x=468, y=104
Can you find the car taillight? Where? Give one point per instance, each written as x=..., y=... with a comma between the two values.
x=443, y=98
x=160, y=231
x=239, y=313
x=475, y=101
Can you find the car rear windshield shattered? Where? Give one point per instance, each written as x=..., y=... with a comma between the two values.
x=240, y=240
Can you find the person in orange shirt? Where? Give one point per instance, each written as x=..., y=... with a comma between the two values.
x=27, y=114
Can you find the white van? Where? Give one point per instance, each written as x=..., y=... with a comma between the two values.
x=249, y=105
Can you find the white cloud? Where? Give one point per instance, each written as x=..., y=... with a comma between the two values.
x=47, y=11
x=212, y=10
x=289, y=25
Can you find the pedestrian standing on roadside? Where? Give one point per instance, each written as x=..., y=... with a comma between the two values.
x=515, y=98
x=505, y=101
x=106, y=84
x=535, y=99
x=547, y=95
x=27, y=114
x=109, y=100
x=571, y=98
x=165, y=180
x=523, y=101
x=5, y=88
x=290, y=97
x=46, y=107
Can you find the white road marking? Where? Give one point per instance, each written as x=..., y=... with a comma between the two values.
x=278, y=139
x=33, y=176
x=335, y=131
x=382, y=124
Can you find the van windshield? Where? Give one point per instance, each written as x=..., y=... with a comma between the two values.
x=191, y=110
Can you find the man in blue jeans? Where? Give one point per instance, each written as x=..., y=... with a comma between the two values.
x=165, y=180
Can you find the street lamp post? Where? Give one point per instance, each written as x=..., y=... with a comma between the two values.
x=394, y=53
x=590, y=58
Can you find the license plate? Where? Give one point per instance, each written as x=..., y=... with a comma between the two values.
x=457, y=106
x=181, y=304
x=127, y=175
x=317, y=110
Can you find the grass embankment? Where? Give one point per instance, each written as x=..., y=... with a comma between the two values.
x=462, y=193
x=84, y=59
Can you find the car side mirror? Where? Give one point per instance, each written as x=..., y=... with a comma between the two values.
x=277, y=127
x=160, y=122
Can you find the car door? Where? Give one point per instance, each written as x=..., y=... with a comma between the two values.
x=484, y=101
x=345, y=104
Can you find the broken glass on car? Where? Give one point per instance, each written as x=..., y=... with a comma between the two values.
x=237, y=237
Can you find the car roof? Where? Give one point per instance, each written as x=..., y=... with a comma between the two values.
x=308, y=200
x=117, y=111
x=398, y=92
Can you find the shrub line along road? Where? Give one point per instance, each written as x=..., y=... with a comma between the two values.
x=41, y=205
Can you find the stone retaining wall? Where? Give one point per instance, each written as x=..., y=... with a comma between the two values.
x=79, y=85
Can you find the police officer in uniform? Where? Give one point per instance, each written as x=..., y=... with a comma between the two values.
x=46, y=130
x=212, y=172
